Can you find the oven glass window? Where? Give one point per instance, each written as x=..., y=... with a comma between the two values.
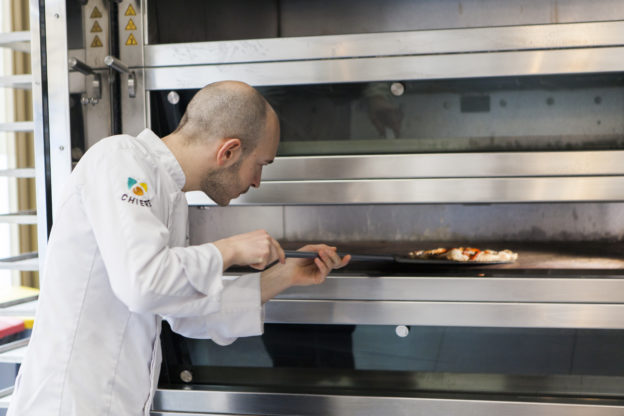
x=405, y=360
x=465, y=115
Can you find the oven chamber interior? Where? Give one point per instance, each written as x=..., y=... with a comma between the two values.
x=493, y=124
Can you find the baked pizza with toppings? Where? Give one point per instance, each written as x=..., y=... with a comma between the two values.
x=463, y=254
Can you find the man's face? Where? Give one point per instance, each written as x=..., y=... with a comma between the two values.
x=229, y=183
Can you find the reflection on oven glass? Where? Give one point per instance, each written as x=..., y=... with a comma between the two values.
x=580, y=112
x=374, y=357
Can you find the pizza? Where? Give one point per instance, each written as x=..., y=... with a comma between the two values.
x=464, y=254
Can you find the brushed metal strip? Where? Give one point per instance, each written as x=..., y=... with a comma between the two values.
x=422, y=42
x=463, y=289
x=484, y=314
x=232, y=402
x=471, y=65
x=446, y=165
x=443, y=190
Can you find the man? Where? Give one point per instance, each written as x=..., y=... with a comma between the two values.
x=118, y=260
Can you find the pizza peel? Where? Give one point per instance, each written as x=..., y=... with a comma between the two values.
x=394, y=259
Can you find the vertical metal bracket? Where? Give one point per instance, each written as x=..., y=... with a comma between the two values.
x=120, y=67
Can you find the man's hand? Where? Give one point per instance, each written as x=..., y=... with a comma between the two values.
x=301, y=272
x=256, y=249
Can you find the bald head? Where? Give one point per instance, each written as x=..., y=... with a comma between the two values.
x=226, y=109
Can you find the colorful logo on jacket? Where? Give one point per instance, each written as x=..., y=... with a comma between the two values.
x=137, y=188
x=137, y=194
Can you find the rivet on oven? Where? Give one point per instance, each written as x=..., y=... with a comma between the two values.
x=397, y=89
x=402, y=331
x=186, y=376
x=173, y=97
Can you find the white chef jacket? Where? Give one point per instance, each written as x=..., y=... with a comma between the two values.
x=117, y=263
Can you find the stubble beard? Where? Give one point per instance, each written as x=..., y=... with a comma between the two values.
x=223, y=186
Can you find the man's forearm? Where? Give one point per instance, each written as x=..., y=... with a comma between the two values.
x=273, y=281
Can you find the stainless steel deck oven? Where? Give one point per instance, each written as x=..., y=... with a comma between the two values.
x=405, y=124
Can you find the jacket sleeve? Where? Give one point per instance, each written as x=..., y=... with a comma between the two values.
x=241, y=313
x=133, y=239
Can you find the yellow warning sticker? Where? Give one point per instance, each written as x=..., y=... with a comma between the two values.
x=97, y=43
x=130, y=11
x=95, y=13
x=131, y=40
x=96, y=27
x=130, y=25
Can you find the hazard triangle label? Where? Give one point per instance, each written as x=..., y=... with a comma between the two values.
x=95, y=13
x=130, y=25
x=131, y=40
x=97, y=43
x=130, y=11
x=96, y=28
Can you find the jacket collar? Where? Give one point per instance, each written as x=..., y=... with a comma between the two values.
x=162, y=152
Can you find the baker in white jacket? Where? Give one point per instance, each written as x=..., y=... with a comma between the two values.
x=118, y=259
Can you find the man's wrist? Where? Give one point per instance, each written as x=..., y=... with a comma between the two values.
x=273, y=281
x=227, y=253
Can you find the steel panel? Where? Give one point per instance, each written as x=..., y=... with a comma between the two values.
x=443, y=190
x=58, y=96
x=425, y=42
x=207, y=402
x=490, y=314
x=446, y=165
x=470, y=65
x=463, y=289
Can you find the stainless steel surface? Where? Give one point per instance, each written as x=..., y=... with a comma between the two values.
x=402, y=331
x=116, y=64
x=233, y=402
x=97, y=117
x=42, y=178
x=186, y=376
x=173, y=97
x=444, y=190
x=77, y=65
x=490, y=39
x=491, y=314
x=355, y=16
x=526, y=289
x=421, y=67
x=446, y=165
x=131, y=44
x=215, y=223
x=76, y=80
x=96, y=80
x=58, y=97
x=427, y=223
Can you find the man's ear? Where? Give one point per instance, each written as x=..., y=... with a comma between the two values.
x=229, y=151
